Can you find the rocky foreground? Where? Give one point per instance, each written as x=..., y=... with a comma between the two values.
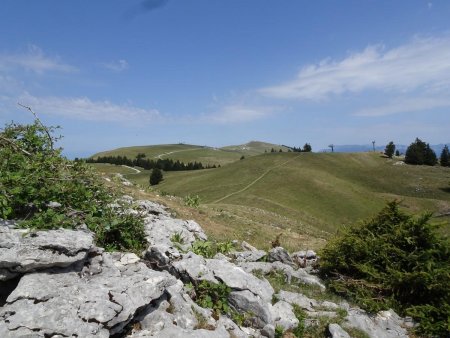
x=57, y=283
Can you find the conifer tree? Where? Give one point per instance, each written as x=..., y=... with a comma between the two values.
x=445, y=157
x=390, y=149
x=156, y=176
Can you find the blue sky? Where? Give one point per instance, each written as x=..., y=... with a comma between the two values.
x=116, y=73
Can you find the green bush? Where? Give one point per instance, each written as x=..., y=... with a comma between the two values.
x=393, y=261
x=192, y=201
x=209, y=249
x=213, y=296
x=34, y=174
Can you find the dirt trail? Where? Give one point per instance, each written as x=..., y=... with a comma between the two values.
x=136, y=170
x=255, y=181
x=171, y=152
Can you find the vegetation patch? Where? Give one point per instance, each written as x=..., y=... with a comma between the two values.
x=393, y=261
x=44, y=190
x=209, y=249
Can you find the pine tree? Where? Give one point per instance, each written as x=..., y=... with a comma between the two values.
x=430, y=156
x=390, y=149
x=420, y=152
x=307, y=148
x=156, y=176
x=445, y=157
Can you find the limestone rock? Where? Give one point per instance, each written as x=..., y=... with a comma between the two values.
x=386, y=324
x=160, y=231
x=304, y=302
x=249, y=256
x=337, y=332
x=22, y=251
x=300, y=274
x=94, y=303
x=283, y=315
x=279, y=254
x=246, y=301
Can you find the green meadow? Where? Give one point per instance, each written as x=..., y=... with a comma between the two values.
x=305, y=196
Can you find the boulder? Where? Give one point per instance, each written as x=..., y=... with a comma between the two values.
x=22, y=251
x=279, y=254
x=283, y=315
x=247, y=302
x=304, y=302
x=336, y=331
x=98, y=301
x=386, y=324
x=160, y=231
x=249, y=256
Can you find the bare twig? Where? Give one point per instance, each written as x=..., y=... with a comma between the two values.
x=15, y=145
x=40, y=122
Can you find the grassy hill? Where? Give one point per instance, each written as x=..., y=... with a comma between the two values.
x=190, y=153
x=306, y=196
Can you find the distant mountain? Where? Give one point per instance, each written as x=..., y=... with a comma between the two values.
x=358, y=148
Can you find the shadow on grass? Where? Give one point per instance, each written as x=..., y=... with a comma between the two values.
x=446, y=189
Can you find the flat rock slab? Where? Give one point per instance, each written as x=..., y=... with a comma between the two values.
x=97, y=302
x=386, y=324
x=22, y=251
x=160, y=231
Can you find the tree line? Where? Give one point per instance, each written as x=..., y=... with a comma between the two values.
x=148, y=164
x=420, y=153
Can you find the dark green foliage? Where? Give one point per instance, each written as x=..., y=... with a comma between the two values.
x=279, y=330
x=393, y=261
x=307, y=148
x=390, y=149
x=156, y=176
x=397, y=153
x=33, y=174
x=213, y=296
x=445, y=157
x=166, y=164
x=420, y=153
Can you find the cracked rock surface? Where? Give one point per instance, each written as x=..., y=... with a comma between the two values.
x=22, y=251
x=98, y=301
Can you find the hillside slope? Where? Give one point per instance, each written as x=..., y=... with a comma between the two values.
x=190, y=153
x=306, y=194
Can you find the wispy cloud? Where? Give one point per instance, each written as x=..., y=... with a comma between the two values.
x=83, y=108
x=239, y=114
x=420, y=64
x=34, y=60
x=145, y=6
x=117, y=66
x=405, y=105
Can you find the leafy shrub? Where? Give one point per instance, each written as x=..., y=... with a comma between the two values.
x=213, y=296
x=34, y=174
x=192, y=201
x=209, y=249
x=393, y=261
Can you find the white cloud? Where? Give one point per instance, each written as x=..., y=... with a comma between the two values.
x=405, y=105
x=239, y=114
x=117, y=66
x=419, y=64
x=34, y=60
x=82, y=108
